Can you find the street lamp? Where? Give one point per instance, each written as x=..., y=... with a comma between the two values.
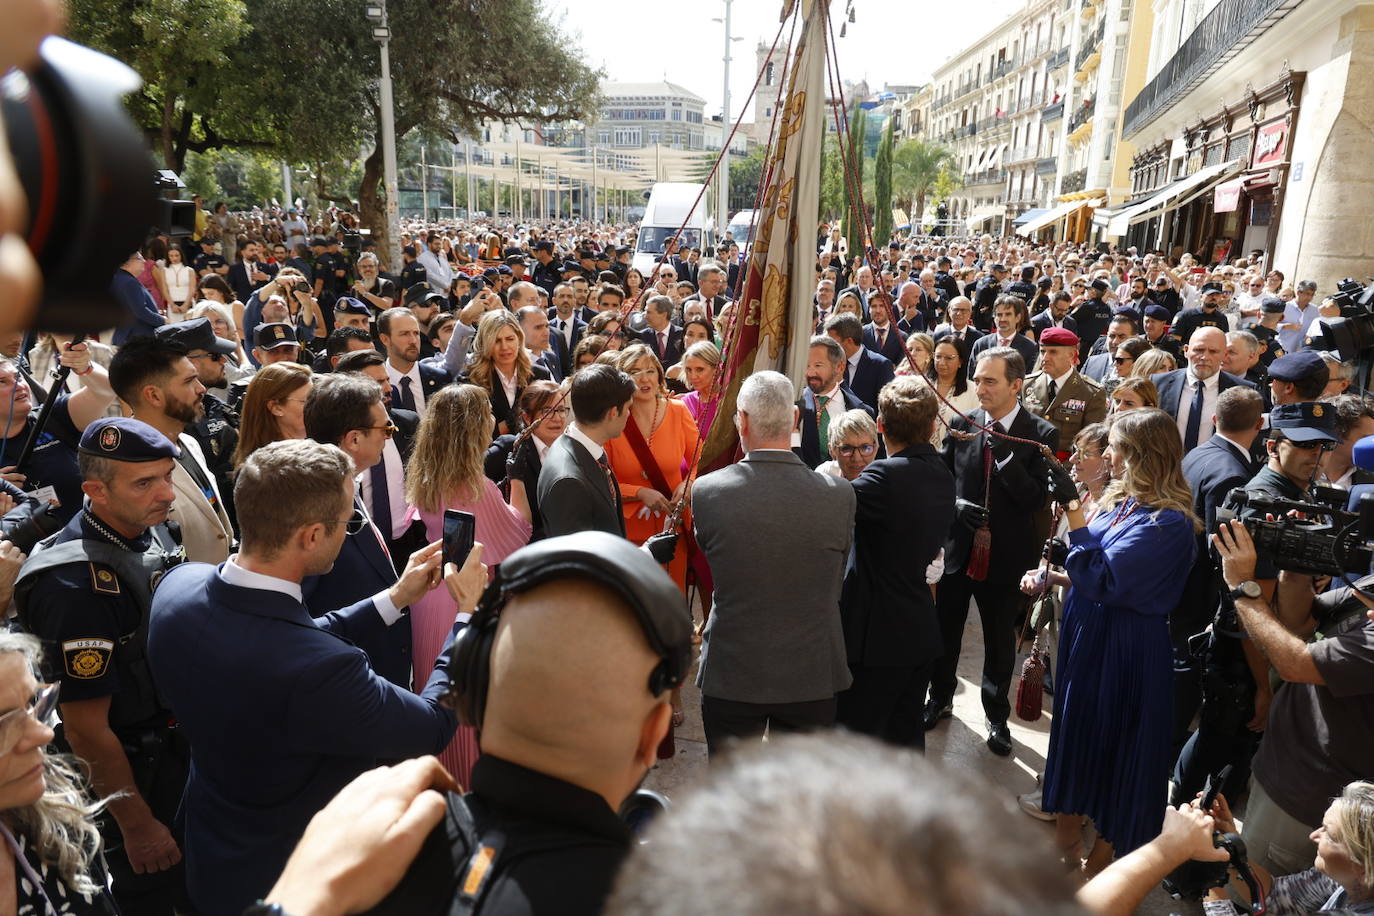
x=723, y=192
x=381, y=32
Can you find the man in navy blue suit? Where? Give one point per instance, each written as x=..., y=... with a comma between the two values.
x=823, y=399
x=281, y=710
x=1010, y=318
x=348, y=411
x=413, y=383
x=881, y=335
x=1201, y=382
x=865, y=372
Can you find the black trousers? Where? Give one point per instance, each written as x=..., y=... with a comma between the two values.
x=999, y=606
x=887, y=703
x=726, y=721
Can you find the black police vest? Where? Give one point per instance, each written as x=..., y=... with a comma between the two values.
x=139, y=701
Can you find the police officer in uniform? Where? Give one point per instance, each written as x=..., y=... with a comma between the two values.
x=1157, y=334
x=547, y=273
x=217, y=431
x=86, y=592
x=1059, y=392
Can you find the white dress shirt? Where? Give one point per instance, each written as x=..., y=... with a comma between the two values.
x=394, y=376
x=234, y=574
x=1006, y=420
x=508, y=385
x=437, y=271
x=591, y=445
x=1210, y=390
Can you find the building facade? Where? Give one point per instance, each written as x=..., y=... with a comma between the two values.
x=641, y=115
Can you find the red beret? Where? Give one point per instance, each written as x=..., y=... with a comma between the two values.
x=1058, y=337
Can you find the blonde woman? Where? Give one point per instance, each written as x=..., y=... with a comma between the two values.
x=55, y=864
x=1111, y=735
x=446, y=471
x=501, y=366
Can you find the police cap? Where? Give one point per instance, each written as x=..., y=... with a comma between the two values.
x=543, y=245
x=126, y=439
x=350, y=306
x=196, y=334
x=274, y=334
x=1305, y=421
x=1297, y=366
x=1158, y=313
x=1273, y=305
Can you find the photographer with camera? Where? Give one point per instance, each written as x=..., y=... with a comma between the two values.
x=1319, y=731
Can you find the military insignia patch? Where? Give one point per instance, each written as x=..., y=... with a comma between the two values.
x=103, y=581
x=109, y=438
x=87, y=658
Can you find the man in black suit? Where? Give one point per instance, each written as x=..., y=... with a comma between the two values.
x=960, y=327
x=1055, y=315
x=823, y=400
x=880, y=335
x=347, y=410
x=413, y=382
x=662, y=336
x=1000, y=485
x=865, y=372
x=250, y=273
x=542, y=344
x=1011, y=319
x=577, y=491
x=891, y=629
x=565, y=323
x=1213, y=469
x=710, y=291
x=1190, y=395
x=985, y=296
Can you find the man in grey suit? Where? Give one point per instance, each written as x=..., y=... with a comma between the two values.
x=577, y=491
x=773, y=656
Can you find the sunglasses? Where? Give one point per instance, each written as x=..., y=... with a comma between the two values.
x=388, y=430
x=41, y=708
x=1323, y=444
x=847, y=451
x=1123, y=359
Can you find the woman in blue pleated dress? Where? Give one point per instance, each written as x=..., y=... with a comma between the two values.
x=1109, y=754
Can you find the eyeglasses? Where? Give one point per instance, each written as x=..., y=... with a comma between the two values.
x=1123, y=359
x=40, y=708
x=847, y=451
x=213, y=357
x=354, y=524
x=388, y=430
x=563, y=412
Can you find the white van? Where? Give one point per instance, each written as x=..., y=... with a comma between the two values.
x=669, y=205
x=742, y=229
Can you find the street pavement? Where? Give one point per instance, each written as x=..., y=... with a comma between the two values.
x=958, y=742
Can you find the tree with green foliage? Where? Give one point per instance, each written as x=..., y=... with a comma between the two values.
x=833, y=195
x=916, y=165
x=882, y=188
x=853, y=186
x=745, y=175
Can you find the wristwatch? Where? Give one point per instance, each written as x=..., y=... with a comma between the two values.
x=1073, y=505
x=265, y=909
x=1247, y=589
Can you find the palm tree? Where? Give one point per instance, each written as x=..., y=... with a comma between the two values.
x=916, y=165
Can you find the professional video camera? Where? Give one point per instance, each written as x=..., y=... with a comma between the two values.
x=1353, y=333
x=85, y=168
x=1334, y=547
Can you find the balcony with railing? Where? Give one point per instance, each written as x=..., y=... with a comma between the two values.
x=1047, y=166
x=1082, y=114
x=1053, y=112
x=1092, y=44
x=1021, y=154
x=1223, y=33
x=1074, y=181
x=1058, y=59
x=985, y=177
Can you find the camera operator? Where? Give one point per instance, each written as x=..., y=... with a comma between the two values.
x=1235, y=677
x=1319, y=730
x=51, y=473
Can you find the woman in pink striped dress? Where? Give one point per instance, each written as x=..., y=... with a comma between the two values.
x=445, y=472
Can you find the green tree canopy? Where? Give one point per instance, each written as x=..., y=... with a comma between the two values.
x=882, y=188
x=916, y=165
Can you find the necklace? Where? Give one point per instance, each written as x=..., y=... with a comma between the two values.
x=653, y=425
x=1123, y=509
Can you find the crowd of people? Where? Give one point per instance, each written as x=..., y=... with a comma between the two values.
x=246, y=605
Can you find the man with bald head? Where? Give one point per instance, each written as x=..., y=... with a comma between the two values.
x=586, y=639
x=1190, y=395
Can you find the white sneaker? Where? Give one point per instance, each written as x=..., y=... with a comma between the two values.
x=1030, y=803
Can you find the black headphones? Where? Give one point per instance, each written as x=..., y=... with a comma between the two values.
x=603, y=558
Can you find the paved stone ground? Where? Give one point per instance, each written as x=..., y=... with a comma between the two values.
x=958, y=742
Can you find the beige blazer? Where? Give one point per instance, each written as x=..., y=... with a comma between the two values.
x=205, y=530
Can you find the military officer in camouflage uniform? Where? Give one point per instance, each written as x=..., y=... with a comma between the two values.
x=86, y=593
x=1059, y=392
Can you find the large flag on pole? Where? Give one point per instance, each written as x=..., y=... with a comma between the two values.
x=774, y=319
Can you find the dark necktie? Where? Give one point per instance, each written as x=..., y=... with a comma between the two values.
x=882, y=338
x=381, y=497
x=1054, y=390
x=1194, y=419
x=405, y=395
x=610, y=479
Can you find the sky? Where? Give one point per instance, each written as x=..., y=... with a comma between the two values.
x=888, y=42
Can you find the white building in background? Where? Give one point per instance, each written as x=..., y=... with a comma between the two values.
x=1254, y=133
x=639, y=115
